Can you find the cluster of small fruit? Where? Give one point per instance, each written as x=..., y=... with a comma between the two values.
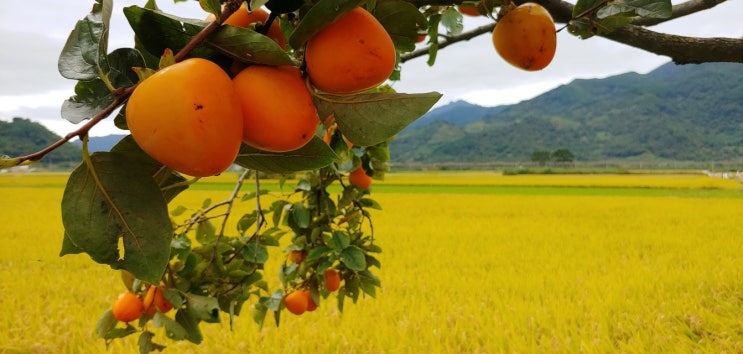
x=300, y=301
x=196, y=105
x=130, y=306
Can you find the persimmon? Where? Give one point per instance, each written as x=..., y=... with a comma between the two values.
x=278, y=112
x=155, y=300
x=187, y=117
x=525, y=37
x=128, y=307
x=243, y=18
x=468, y=10
x=311, y=305
x=297, y=256
x=332, y=279
x=359, y=178
x=352, y=54
x=296, y=302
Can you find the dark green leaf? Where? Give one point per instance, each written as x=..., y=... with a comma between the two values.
x=84, y=54
x=256, y=253
x=320, y=15
x=642, y=8
x=433, y=38
x=206, y=233
x=90, y=98
x=301, y=215
x=68, y=247
x=316, y=253
x=157, y=31
x=190, y=324
x=369, y=119
x=370, y=203
x=105, y=324
x=259, y=314
x=245, y=222
x=340, y=240
x=248, y=46
x=121, y=61
x=353, y=258
x=203, y=308
x=114, y=199
x=211, y=6
x=173, y=329
x=583, y=6
x=146, y=345
x=402, y=21
x=316, y=154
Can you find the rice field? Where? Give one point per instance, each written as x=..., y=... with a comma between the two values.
x=472, y=263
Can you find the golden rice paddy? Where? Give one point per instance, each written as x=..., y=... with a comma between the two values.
x=485, y=264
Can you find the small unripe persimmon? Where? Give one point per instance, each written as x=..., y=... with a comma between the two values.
x=332, y=279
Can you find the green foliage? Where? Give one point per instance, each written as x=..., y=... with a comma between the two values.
x=592, y=17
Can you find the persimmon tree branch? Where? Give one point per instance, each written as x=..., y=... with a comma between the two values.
x=121, y=95
x=681, y=49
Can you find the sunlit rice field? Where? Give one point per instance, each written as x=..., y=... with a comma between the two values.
x=472, y=263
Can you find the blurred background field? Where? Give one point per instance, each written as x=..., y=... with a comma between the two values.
x=473, y=262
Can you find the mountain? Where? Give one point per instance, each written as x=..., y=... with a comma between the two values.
x=689, y=112
x=101, y=143
x=22, y=137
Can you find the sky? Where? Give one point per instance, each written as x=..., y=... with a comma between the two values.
x=31, y=87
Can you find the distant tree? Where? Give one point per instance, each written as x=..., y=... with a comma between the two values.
x=541, y=157
x=563, y=155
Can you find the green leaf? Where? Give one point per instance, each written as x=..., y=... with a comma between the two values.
x=211, y=6
x=190, y=324
x=206, y=232
x=121, y=61
x=402, y=21
x=433, y=38
x=113, y=200
x=255, y=253
x=68, y=247
x=173, y=329
x=317, y=253
x=84, y=54
x=146, y=345
x=582, y=6
x=320, y=15
x=301, y=215
x=105, y=324
x=248, y=46
x=451, y=19
x=340, y=240
x=314, y=155
x=369, y=119
x=90, y=98
x=370, y=203
x=157, y=31
x=353, y=258
x=643, y=8
x=203, y=308
x=259, y=314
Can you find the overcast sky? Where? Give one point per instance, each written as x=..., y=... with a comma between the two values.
x=472, y=71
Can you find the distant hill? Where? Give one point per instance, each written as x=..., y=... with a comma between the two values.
x=690, y=112
x=101, y=143
x=23, y=136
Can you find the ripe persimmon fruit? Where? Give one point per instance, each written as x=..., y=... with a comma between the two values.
x=311, y=305
x=352, y=54
x=128, y=307
x=296, y=302
x=243, y=18
x=359, y=178
x=297, y=256
x=468, y=10
x=525, y=37
x=155, y=300
x=187, y=117
x=278, y=112
x=332, y=279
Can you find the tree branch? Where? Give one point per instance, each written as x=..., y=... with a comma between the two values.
x=681, y=49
